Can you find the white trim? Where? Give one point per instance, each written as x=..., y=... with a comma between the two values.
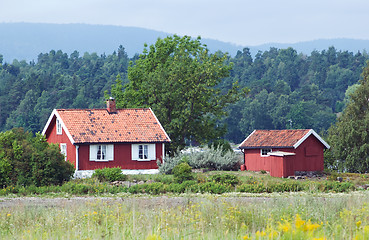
x=63, y=150
x=311, y=131
x=77, y=157
x=281, y=154
x=163, y=153
x=160, y=124
x=109, y=152
x=56, y=114
x=151, y=147
x=239, y=146
x=266, y=155
x=88, y=173
x=59, y=128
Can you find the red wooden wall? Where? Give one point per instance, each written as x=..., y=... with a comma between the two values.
x=122, y=153
x=309, y=157
x=282, y=166
x=122, y=158
x=52, y=137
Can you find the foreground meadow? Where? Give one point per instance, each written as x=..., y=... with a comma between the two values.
x=188, y=216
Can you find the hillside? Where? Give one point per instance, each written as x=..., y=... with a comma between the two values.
x=24, y=41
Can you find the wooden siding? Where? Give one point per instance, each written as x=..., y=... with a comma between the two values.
x=309, y=157
x=122, y=158
x=52, y=137
x=122, y=153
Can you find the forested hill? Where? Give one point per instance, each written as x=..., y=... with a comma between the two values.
x=24, y=41
x=288, y=90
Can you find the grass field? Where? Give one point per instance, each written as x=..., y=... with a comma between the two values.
x=89, y=209
x=189, y=216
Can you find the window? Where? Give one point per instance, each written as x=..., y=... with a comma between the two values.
x=143, y=152
x=58, y=127
x=63, y=150
x=264, y=151
x=101, y=152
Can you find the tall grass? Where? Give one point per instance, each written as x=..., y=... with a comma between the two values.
x=276, y=216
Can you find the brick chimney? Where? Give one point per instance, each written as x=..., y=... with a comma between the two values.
x=110, y=105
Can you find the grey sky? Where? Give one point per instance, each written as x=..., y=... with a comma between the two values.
x=247, y=22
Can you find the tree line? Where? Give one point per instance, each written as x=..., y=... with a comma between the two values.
x=287, y=89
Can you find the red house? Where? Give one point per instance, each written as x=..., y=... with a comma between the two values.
x=132, y=139
x=284, y=152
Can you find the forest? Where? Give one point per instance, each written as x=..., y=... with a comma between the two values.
x=287, y=89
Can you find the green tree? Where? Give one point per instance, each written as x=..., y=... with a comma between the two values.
x=29, y=160
x=349, y=137
x=177, y=77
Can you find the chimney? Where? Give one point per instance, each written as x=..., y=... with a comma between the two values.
x=110, y=105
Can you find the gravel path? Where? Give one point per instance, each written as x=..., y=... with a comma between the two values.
x=142, y=201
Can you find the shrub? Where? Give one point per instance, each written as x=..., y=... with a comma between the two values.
x=221, y=144
x=30, y=160
x=155, y=188
x=252, y=188
x=213, y=187
x=330, y=186
x=182, y=172
x=226, y=178
x=109, y=175
x=211, y=158
x=286, y=186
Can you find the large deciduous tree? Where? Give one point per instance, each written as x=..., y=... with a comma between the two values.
x=349, y=137
x=177, y=77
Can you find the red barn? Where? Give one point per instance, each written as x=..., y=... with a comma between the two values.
x=284, y=152
x=132, y=139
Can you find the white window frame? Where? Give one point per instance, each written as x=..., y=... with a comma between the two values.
x=264, y=152
x=63, y=150
x=59, y=127
x=144, y=152
x=101, y=152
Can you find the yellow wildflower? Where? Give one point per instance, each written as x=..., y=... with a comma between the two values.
x=358, y=223
x=299, y=222
x=311, y=226
x=153, y=237
x=285, y=227
x=245, y=237
x=260, y=234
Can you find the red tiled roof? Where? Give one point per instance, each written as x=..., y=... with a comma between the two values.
x=274, y=138
x=98, y=126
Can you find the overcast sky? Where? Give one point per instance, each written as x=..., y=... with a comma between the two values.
x=243, y=22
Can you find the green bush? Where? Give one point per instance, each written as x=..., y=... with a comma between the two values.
x=213, y=187
x=330, y=186
x=210, y=158
x=150, y=188
x=225, y=178
x=182, y=172
x=109, y=175
x=221, y=144
x=286, y=186
x=252, y=188
x=155, y=188
x=30, y=160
